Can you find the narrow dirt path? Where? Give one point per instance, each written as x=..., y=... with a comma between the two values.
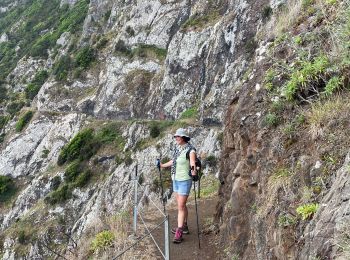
x=189, y=249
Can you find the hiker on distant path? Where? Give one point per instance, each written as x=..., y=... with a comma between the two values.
x=182, y=181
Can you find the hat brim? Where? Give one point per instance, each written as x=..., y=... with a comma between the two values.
x=183, y=136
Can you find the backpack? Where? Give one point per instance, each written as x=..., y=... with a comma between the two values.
x=197, y=162
x=198, y=167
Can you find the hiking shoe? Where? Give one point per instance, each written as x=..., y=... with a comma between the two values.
x=184, y=230
x=178, y=236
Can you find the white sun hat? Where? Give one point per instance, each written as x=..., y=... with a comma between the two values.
x=181, y=132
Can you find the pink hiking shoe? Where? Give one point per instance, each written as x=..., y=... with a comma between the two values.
x=178, y=236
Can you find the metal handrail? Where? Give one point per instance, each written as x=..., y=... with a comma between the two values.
x=138, y=212
x=152, y=201
x=141, y=238
x=150, y=234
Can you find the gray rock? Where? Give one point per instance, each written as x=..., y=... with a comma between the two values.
x=4, y=38
x=324, y=232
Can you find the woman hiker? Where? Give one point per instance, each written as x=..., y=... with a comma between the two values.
x=182, y=181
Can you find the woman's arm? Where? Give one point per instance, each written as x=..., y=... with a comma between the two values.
x=193, y=162
x=167, y=164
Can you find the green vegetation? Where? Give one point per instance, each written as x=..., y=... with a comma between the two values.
x=325, y=111
x=268, y=79
x=15, y=106
x=307, y=3
x=333, y=85
x=72, y=171
x=55, y=182
x=24, y=236
x=60, y=195
x=2, y=137
x=42, y=23
x=281, y=173
x=101, y=43
x=124, y=158
x=271, y=120
x=209, y=186
x=331, y=2
x=211, y=161
x=3, y=121
x=290, y=128
x=144, y=51
x=7, y=188
x=306, y=211
x=110, y=133
x=130, y=31
x=62, y=67
x=33, y=88
x=286, y=220
x=309, y=73
x=317, y=70
x=220, y=138
x=76, y=175
x=45, y=153
x=266, y=12
x=198, y=22
x=250, y=45
x=154, y=130
x=24, y=120
x=77, y=152
x=298, y=40
x=277, y=106
x=81, y=147
x=121, y=48
x=85, y=57
x=190, y=113
x=75, y=65
x=3, y=93
x=102, y=241
x=149, y=52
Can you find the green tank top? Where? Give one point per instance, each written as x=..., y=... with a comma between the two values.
x=182, y=167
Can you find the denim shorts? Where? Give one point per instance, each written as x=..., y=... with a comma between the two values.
x=182, y=187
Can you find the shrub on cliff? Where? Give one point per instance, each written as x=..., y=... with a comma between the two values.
x=81, y=147
x=15, y=106
x=33, y=88
x=3, y=93
x=62, y=67
x=7, y=188
x=102, y=241
x=308, y=210
x=85, y=57
x=60, y=195
x=24, y=120
x=3, y=121
x=192, y=112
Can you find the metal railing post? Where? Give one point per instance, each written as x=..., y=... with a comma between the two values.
x=166, y=238
x=135, y=201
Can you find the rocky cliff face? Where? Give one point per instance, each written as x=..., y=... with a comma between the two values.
x=146, y=67
x=134, y=71
x=283, y=169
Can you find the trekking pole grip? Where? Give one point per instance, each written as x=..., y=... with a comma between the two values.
x=158, y=164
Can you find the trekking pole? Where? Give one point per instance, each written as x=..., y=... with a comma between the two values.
x=195, y=202
x=199, y=188
x=161, y=183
